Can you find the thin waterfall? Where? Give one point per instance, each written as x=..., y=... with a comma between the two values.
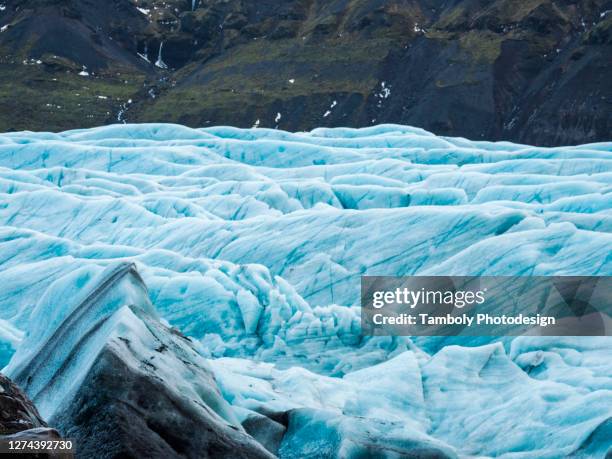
x=160, y=62
x=194, y=4
x=145, y=55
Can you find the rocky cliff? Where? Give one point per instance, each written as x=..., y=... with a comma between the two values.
x=535, y=71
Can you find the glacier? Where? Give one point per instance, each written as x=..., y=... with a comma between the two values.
x=251, y=242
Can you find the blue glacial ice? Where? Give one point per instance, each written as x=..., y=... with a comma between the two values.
x=252, y=243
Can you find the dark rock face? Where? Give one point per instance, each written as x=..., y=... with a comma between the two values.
x=265, y=430
x=17, y=412
x=120, y=412
x=534, y=72
x=20, y=420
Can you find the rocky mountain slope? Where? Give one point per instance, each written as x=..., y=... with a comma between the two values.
x=535, y=71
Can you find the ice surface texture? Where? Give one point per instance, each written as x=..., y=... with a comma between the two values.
x=252, y=243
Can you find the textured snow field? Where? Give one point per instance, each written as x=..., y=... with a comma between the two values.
x=252, y=243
